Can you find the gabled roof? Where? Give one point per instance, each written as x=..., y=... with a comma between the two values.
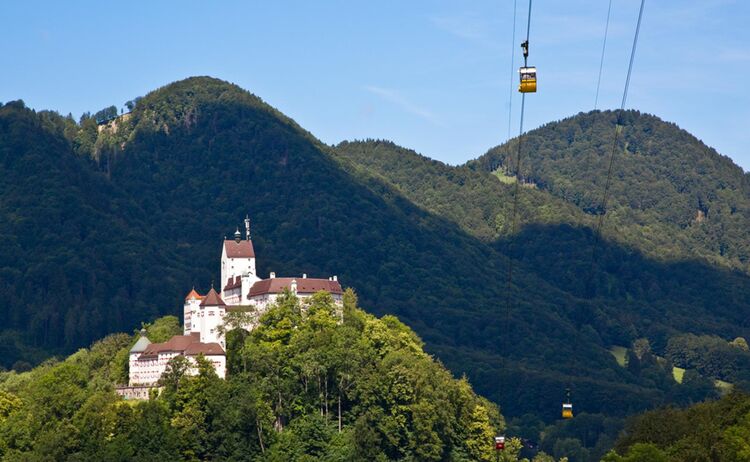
x=304, y=286
x=212, y=299
x=188, y=345
x=140, y=345
x=208, y=349
x=242, y=249
x=193, y=295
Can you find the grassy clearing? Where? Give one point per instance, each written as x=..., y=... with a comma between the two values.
x=503, y=177
x=723, y=387
x=620, y=354
x=678, y=373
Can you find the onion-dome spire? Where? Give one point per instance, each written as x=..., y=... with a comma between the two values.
x=238, y=235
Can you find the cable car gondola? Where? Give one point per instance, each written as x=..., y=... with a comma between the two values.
x=528, y=80
x=500, y=443
x=567, y=407
x=527, y=73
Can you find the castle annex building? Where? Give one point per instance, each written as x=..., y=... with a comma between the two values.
x=243, y=290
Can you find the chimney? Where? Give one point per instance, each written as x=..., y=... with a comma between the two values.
x=335, y=278
x=272, y=275
x=304, y=275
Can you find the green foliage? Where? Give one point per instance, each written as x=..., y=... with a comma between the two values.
x=100, y=229
x=474, y=200
x=314, y=388
x=711, y=356
x=716, y=431
x=672, y=196
x=105, y=114
x=163, y=329
x=619, y=285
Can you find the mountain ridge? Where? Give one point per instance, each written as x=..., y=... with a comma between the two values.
x=224, y=154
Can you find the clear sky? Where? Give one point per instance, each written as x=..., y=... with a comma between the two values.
x=430, y=75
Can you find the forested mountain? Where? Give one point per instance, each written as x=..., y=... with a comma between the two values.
x=671, y=195
x=110, y=225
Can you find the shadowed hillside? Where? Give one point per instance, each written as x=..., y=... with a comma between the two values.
x=151, y=199
x=671, y=195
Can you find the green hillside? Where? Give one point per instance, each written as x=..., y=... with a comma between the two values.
x=111, y=226
x=717, y=431
x=671, y=197
x=302, y=386
x=478, y=202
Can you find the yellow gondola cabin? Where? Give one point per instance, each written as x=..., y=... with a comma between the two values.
x=567, y=411
x=528, y=80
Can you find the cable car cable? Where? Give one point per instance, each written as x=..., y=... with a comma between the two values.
x=608, y=183
x=512, y=67
x=601, y=62
x=618, y=126
x=514, y=214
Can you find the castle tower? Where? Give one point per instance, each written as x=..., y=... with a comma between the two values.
x=238, y=266
x=136, y=374
x=212, y=311
x=190, y=312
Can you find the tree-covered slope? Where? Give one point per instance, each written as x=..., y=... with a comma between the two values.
x=629, y=294
x=304, y=385
x=475, y=200
x=77, y=260
x=671, y=195
x=192, y=158
x=716, y=431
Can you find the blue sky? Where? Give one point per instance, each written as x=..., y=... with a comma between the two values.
x=430, y=75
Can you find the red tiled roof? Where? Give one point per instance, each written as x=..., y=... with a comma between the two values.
x=304, y=286
x=242, y=249
x=212, y=299
x=233, y=284
x=176, y=343
x=194, y=349
x=194, y=295
x=189, y=345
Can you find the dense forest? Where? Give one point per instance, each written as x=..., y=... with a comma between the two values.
x=671, y=197
x=713, y=431
x=309, y=383
x=109, y=223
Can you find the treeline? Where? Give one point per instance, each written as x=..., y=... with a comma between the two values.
x=712, y=356
x=301, y=386
x=713, y=431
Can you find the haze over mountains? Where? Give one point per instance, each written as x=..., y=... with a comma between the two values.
x=107, y=227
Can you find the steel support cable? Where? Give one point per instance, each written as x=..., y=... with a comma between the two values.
x=618, y=126
x=600, y=223
x=512, y=68
x=601, y=62
x=514, y=214
x=605, y=196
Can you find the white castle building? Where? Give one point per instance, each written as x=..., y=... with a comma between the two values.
x=242, y=290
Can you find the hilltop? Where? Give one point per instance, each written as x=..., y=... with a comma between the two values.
x=672, y=197
x=305, y=384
